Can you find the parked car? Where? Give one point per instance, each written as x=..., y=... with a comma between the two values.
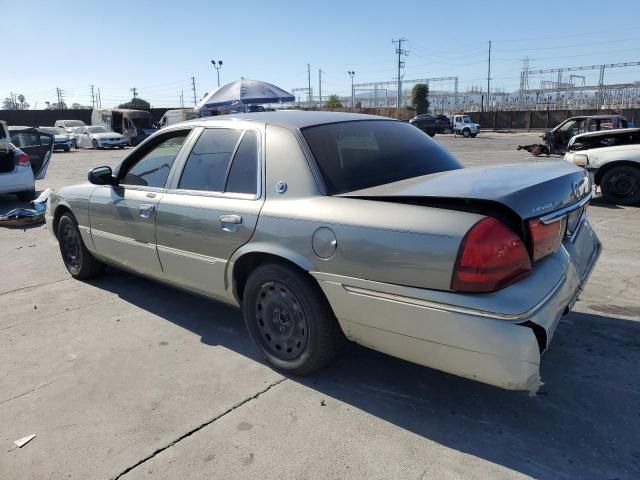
x=558, y=138
x=69, y=125
x=325, y=225
x=24, y=157
x=431, y=124
x=612, y=158
x=97, y=137
x=134, y=125
x=61, y=140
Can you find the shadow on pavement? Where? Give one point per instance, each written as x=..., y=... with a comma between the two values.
x=584, y=422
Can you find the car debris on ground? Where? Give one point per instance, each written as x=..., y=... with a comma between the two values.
x=21, y=442
x=19, y=217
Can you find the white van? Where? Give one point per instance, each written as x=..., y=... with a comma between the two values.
x=178, y=115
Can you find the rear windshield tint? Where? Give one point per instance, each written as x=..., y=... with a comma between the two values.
x=362, y=154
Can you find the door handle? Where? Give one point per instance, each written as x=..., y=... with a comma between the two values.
x=146, y=209
x=230, y=222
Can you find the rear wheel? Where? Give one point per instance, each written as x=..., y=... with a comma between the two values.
x=26, y=196
x=466, y=133
x=621, y=185
x=290, y=320
x=78, y=260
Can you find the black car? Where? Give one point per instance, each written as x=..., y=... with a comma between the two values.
x=431, y=124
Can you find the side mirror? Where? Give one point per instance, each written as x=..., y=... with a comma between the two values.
x=101, y=176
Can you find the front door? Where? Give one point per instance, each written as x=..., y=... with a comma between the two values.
x=39, y=147
x=211, y=209
x=123, y=217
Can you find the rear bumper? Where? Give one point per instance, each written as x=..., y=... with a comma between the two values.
x=20, y=180
x=475, y=339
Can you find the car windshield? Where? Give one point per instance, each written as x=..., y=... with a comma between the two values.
x=362, y=154
x=466, y=119
x=98, y=130
x=74, y=123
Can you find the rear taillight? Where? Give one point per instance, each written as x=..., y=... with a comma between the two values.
x=22, y=159
x=491, y=257
x=545, y=238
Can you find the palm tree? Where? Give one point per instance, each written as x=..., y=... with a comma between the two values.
x=21, y=99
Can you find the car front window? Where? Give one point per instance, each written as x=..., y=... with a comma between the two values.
x=98, y=130
x=152, y=170
x=362, y=154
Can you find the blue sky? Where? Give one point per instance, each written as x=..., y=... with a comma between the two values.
x=157, y=46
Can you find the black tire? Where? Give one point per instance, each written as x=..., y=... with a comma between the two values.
x=95, y=144
x=289, y=319
x=120, y=147
x=26, y=196
x=466, y=133
x=621, y=185
x=75, y=145
x=474, y=135
x=431, y=132
x=78, y=260
x=66, y=149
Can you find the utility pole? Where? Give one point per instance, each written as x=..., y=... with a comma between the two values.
x=352, y=74
x=193, y=83
x=99, y=99
x=135, y=92
x=320, y=86
x=93, y=98
x=489, y=80
x=182, y=98
x=400, y=52
x=13, y=101
x=309, y=79
x=60, y=93
x=217, y=66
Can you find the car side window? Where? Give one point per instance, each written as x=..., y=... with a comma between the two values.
x=207, y=165
x=243, y=175
x=153, y=168
x=25, y=139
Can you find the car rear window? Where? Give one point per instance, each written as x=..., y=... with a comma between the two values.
x=362, y=154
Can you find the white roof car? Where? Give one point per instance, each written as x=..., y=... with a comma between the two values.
x=612, y=158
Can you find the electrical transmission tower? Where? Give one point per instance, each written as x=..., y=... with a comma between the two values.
x=400, y=52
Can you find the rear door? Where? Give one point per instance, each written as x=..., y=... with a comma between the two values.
x=211, y=208
x=39, y=147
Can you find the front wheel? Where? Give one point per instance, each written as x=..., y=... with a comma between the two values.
x=290, y=320
x=474, y=135
x=466, y=133
x=95, y=144
x=78, y=260
x=621, y=185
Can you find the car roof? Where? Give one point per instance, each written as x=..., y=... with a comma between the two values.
x=604, y=133
x=291, y=118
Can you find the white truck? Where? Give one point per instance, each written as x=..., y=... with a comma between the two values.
x=134, y=125
x=463, y=125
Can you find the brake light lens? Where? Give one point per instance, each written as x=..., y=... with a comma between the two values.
x=22, y=159
x=545, y=238
x=491, y=257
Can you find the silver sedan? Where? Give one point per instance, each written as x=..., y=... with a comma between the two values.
x=325, y=227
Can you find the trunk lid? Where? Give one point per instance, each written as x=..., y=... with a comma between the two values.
x=528, y=190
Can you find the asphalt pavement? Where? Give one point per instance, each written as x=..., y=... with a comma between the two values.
x=124, y=378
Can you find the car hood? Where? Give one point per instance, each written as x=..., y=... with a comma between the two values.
x=528, y=190
x=106, y=135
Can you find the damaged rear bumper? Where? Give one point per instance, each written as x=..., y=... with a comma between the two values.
x=481, y=337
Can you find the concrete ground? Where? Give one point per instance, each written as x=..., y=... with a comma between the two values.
x=125, y=378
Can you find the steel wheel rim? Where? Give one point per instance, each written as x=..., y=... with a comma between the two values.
x=282, y=325
x=71, y=247
x=624, y=185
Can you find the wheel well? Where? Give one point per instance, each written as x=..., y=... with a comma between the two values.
x=61, y=210
x=246, y=264
x=605, y=168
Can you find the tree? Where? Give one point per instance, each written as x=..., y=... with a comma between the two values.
x=23, y=105
x=420, y=98
x=78, y=106
x=56, y=106
x=136, y=103
x=7, y=104
x=334, y=102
